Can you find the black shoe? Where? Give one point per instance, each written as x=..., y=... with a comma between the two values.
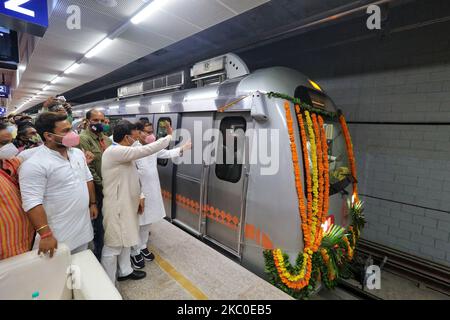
x=137, y=262
x=135, y=275
x=148, y=256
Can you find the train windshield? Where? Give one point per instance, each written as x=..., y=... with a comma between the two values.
x=339, y=168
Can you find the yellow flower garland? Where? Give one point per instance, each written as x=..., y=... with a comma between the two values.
x=315, y=175
x=315, y=213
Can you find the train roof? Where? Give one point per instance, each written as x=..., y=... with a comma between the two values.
x=207, y=98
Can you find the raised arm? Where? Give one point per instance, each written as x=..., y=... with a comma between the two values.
x=175, y=152
x=169, y=154
x=126, y=154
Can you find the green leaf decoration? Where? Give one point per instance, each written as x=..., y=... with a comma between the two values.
x=302, y=105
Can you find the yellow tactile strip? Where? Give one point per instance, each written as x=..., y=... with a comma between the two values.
x=178, y=277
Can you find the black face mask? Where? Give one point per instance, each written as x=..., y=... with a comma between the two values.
x=97, y=127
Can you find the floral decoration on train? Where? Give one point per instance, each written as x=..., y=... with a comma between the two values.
x=328, y=248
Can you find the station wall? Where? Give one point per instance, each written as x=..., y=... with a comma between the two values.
x=394, y=92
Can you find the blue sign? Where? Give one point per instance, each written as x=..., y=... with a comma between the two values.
x=29, y=16
x=2, y=111
x=4, y=91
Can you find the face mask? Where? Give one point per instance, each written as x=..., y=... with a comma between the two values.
x=13, y=131
x=150, y=139
x=36, y=139
x=106, y=127
x=70, y=140
x=97, y=127
x=9, y=151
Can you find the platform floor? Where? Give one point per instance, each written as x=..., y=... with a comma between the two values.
x=187, y=269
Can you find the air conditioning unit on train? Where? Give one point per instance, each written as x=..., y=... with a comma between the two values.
x=157, y=84
x=218, y=69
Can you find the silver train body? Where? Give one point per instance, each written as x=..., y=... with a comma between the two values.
x=251, y=211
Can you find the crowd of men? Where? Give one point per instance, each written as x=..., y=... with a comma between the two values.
x=77, y=186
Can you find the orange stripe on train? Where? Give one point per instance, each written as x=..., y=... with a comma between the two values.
x=222, y=217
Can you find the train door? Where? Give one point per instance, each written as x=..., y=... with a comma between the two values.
x=227, y=183
x=165, y=166
x=190, y=177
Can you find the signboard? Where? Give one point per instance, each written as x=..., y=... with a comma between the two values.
x=30, y=16
x=4, y=91
x=2, y=111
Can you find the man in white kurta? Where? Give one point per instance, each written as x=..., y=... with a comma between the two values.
x=122, y=195
x=151, y=189
x=57, y=188
x=60, y=186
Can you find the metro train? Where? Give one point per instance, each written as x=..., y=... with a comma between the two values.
x=243, y=210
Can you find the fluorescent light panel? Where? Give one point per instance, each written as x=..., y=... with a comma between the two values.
x=133, y=104
x=146, y=12
x=99, y=47
x=72, y=68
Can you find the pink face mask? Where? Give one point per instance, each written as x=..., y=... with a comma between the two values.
x=70, y=140
x=150, y=139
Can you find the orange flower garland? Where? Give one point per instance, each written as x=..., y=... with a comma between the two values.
x=316, y=262
x=326, y=169
x=351, y=156
x=306, y=232
x=299, y=281
x=318, y=222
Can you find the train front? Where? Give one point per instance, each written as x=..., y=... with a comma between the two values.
x=315, y=225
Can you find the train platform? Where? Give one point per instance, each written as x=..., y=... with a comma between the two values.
x=185, y=268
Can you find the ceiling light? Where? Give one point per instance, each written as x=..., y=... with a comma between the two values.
x=22, y=67
x=72, y=68
x=55, y=80
x=45, y=88
x=99, y=47
x=144, y=13
x=161, y=100
x=133, y=104
x=201, y=96
x=113, y=107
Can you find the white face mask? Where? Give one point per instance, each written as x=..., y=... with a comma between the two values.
x=8, y=151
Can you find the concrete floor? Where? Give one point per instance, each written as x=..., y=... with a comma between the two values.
x=186, y=268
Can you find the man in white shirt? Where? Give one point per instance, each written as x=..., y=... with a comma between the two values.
x=58, y=193
x=151, y=189
x=122, y=199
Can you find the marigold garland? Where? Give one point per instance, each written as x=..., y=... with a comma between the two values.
x=318, y=219
x=326, y=170
x=299, y=280
x=306, y=231
x=351, y=156
x=315, y=179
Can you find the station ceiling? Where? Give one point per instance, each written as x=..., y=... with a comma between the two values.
x=170, y=21
x=256, y=30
